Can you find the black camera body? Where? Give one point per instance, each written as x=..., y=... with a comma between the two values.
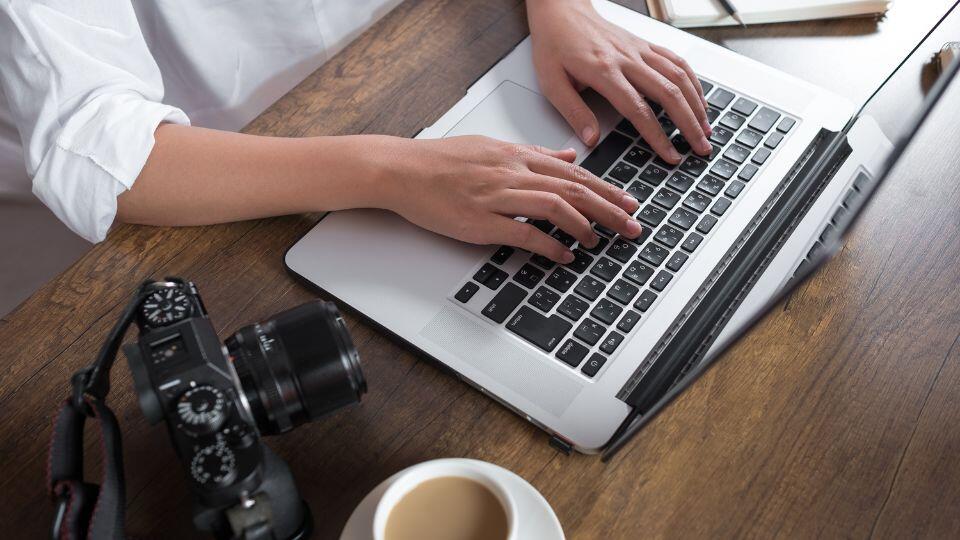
x=218, y=399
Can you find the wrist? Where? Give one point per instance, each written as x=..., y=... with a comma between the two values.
x=384, y=171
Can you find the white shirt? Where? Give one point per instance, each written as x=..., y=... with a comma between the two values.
x=85, y=83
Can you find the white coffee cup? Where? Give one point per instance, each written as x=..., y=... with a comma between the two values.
x=412, y=477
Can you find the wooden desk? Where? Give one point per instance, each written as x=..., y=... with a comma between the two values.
x=837, y=416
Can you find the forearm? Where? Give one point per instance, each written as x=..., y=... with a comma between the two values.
x=197, y=176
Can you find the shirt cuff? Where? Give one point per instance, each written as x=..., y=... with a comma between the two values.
x=98, y=155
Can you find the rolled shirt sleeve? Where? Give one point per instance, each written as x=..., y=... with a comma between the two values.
x=86, y=96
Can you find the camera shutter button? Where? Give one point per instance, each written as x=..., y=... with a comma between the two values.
x=201, y=410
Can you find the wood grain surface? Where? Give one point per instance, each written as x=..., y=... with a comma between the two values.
x=836, y=417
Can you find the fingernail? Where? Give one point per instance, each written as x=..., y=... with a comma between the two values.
x=633, y=228
x=706, y=128
x=591, y=242
x=705, y=147
x=630, y=203
x=567, y=257
x=586, y=134
x=674, y=155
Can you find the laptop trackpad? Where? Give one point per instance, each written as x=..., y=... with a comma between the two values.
x=515, y=114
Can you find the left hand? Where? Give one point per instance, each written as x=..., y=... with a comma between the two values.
x=574, y=47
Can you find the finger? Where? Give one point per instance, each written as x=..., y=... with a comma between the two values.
x=504, y=230
x=586, y=202
x=671, y=98
x=557, y=87
x=678, y=76
x=567, y=154
x=576, y=173
x=549, y=206
x=625, y=98
x=678, y=60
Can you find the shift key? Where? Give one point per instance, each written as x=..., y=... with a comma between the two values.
x=505, y=302
x=544, y=332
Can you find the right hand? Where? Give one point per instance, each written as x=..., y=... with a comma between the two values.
x=470, y=188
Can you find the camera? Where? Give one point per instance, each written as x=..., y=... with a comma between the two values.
x=219, y=399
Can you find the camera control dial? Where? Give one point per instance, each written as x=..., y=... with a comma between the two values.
x=214, y=465
x=201, y=410
x=165, y=307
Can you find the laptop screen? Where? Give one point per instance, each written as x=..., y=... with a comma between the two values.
x=944, y=93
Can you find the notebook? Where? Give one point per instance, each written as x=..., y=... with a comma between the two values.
x=690, y=13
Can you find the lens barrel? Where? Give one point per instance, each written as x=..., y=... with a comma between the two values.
x=297, y=366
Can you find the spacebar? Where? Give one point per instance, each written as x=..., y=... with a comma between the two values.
x=543, y=332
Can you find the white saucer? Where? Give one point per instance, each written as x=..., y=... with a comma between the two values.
x=537, y=519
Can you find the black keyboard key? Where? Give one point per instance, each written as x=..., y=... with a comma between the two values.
x=597, y=249
x=573, y=307
x=621, y=250
x=668, y=126
x=749, y=138
x=496, y=279
x=764, y=120
x=543, y=225
x=623, y=291
x=612, y=182
x=623, y=172
x=581, y=261
x=710, y=184
x=544, y=299
x=637, y=156
x=645, y=301
x=706, y=224
x=638, y=272
x=572, y=353
x=683, y=218
x=528, y=275
x=603, y=230
x=606, y=311
x=680, y=182
x=712, y=115
x=720, y=206
x=680, y=143
x=744, y=106
x=666, y=198
x=504, y=303
x=563, y=237
x=786, y=125
x=611, y=342
x=626, y=127
x=467, y=291
x=544, y=332
x=590, y=288
x=589, y=332
x=639, y=191
x=628, y=321
x=676, y=261
x=654, y=254
x=606, y=153
x=734, y=189
x=605, y=269
x=720, y=98
x=692, y=242
x=502, y=254
x=721, y=135
x=693, y=166
x=697, y=201
x=561, y=280
x=651, y=215
x=484, y=273
x=773, y=140
x=653, y=174
x=660, y=282
x=668, y=236
x=542, y=262
x=707, y=87
x=724, y=169
x=732, y=121
x=593, y=365
x=748, y=172
x=736, y=153
x=760, y=157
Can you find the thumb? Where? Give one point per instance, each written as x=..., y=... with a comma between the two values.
x=559, y=89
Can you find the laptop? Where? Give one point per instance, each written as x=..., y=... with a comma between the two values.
x=586, y=349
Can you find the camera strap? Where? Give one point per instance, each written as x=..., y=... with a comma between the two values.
x=84, y=510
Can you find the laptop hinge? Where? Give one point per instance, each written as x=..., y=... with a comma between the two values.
x=701, y=321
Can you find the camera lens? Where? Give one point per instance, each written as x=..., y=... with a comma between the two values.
x=297, y=366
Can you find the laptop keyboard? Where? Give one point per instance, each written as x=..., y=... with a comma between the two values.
x=582, y=312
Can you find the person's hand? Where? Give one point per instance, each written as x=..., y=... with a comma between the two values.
x=471, y=189
x=573, y=47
